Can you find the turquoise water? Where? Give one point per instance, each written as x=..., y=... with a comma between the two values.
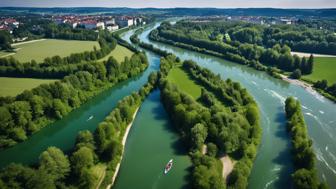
x=273, y=166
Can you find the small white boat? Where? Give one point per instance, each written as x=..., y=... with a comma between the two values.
x=168, y=166
x=89, y=118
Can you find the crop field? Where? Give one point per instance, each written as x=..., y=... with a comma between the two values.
x=178, y=76
x=13, y=86
x=41, y=49
x=119, y=53
x=324, y=68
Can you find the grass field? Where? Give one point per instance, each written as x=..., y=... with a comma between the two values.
x=178, y=76
x=324, y=68
x=119, y=53
x=39, y=50
x=13, y=86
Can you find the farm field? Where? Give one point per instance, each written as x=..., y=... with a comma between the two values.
x=39, y=50
x=13, y=86
x=119, y=53
x=178, y=76
x=324, y=68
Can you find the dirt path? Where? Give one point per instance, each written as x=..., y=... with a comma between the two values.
x=302, y=54
x=32, y=41
x=123, y=143
x=226, y=161
x=227, y=165
x=101, y=178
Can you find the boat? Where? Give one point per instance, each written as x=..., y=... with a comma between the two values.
x=168, y=166
x=89, y=118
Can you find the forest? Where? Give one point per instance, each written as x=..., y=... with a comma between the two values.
x=213, y=38
x=230, y=48
x=304, y=157
x=57, y=169
x=225, y=119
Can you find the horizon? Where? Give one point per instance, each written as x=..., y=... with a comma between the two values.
x=219, y=4
x=54, y=7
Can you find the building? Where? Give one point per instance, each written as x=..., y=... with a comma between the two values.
x=286, y=21
x=125, y=22
x=100, y=25
x=112, y=27
x=92, y=24
x=110, y=22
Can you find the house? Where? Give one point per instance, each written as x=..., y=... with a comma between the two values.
x=112, y=27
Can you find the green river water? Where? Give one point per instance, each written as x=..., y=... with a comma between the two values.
x=152, y=141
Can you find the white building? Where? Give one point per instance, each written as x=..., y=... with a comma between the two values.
x=112, y=28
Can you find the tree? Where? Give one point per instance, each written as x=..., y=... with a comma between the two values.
x=85, y=138
x=310, y=65
x=296, y=74
x=198, y=135
x=212, y=149
x=54, y=163
x=304, y=179
x=5, y=41
x=81, y=159
x=252, y=114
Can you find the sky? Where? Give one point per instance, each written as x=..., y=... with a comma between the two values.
x=172, y=3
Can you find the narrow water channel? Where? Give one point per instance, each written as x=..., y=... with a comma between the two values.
x=151, y=143
x=273, y=166
x=62, y=133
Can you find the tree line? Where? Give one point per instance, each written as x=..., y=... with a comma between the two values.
x=57, y=67
x=304, y=157
x=243, y=53
x=5, y=41
x=225, y=119
x=55, y=169
x=301, y=36
x=33, y=109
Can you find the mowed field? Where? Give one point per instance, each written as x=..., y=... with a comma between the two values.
x=324, y=68
x=41, y=49
x=119, y=53
x=13, y=86
x=183, y=81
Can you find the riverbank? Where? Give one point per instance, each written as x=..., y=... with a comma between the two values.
x=307, y=86
x=123, y=143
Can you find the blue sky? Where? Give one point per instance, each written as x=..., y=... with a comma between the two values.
x=173, y=3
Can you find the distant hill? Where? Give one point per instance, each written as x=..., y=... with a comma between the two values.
x=177, y=11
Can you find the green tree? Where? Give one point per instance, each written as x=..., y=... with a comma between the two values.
x=54, y=163
x=81, y=159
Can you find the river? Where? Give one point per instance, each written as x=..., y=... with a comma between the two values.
x=62, y=133
x=273, y=165
x=152, y=142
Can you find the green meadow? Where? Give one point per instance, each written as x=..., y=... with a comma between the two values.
x=14, y=86
x=183, y=81
x=119, y=53
x=39, y=50
x=324, y=68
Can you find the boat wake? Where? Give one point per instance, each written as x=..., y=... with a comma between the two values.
x=322, y=159
x=270, y=182
x=276, y=95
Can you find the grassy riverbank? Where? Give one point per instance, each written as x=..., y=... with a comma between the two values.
x=119, y=53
